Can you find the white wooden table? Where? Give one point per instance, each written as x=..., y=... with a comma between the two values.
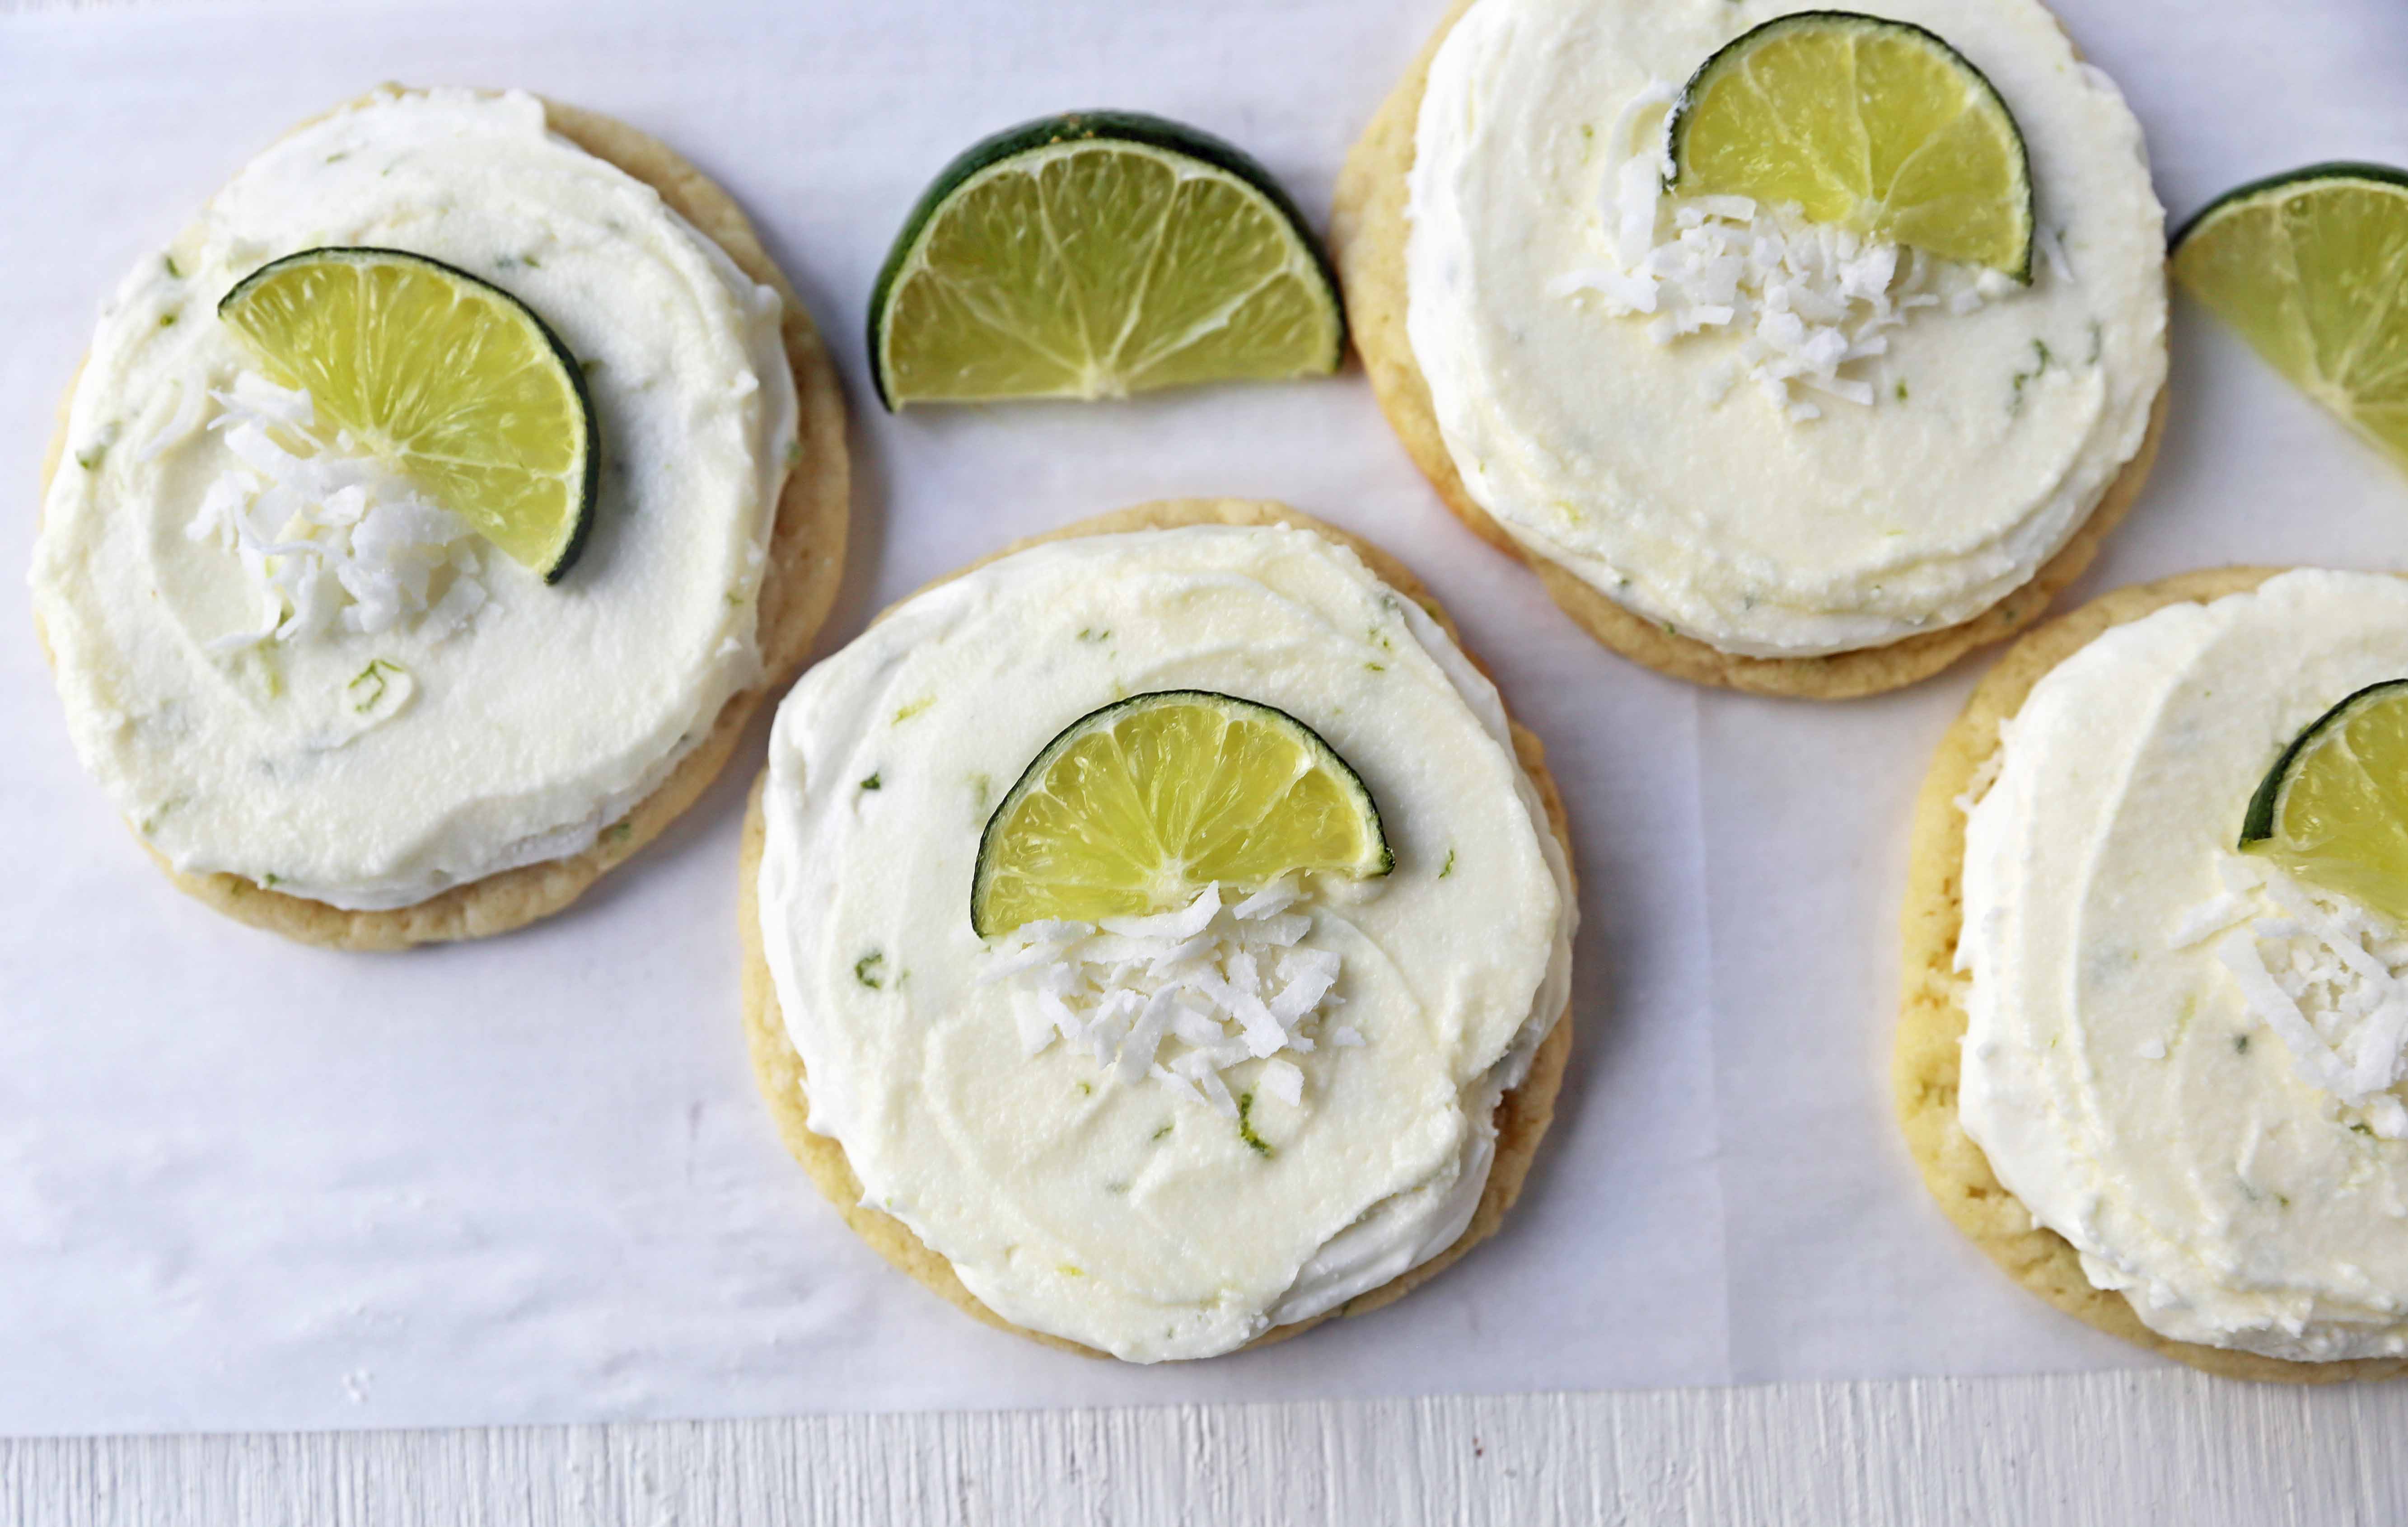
x=2052, y=1451
x=2089, y=1450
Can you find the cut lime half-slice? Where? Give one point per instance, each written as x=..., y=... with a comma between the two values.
x=2310, y=268
x=1095, y=255
x=2333, y=810
x=1136, y=807
x=1874, y=125
x=449, y=379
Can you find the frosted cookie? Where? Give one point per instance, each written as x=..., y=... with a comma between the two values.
x=2155, y=1073
x=1169, y=1104
x=1738, y=445
x=368, y=668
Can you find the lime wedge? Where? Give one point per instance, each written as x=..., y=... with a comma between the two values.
x=449, y=379
x=1136, y=808
x=1096, y=255
x=1874, y=125
x=2333, y=810
x=2309, y=267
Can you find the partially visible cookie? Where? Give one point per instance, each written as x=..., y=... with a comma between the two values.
x=1370, y=227
x=1932, y=1021
x=1522, y=1115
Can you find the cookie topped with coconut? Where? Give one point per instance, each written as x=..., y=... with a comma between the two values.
x=1160, y=931
x=2156, y=1038
x=415, y=508
x=1772, y=336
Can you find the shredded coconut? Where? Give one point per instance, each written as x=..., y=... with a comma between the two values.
x=2326, y=975
x=1806, y=299
x=329, y=537
x=2209, y=918
x=1181, y=997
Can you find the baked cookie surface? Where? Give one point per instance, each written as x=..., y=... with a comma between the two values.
x=1520, y=1120
x=1370, y=232
x=1926, y=1061
x=804, y=559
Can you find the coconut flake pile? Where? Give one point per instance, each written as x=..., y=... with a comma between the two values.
x=2326, y=975
x=1805, y=298
x=1180, y=997
x=329, y=537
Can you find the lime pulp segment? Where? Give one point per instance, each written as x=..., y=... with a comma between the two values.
x=1874, y=125
x=2333, y=810
x=1135, y=807
x=1096, y=255
x=448, y=378
x=2310, y=268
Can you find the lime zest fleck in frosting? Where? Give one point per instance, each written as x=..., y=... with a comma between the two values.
x=91, y=457
x=867, y=969
x=1255, y=1143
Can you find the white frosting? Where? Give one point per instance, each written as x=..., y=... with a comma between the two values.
x=1711, y=508
x=550, y=712
x=2206, y=1120
x=1070, y=1199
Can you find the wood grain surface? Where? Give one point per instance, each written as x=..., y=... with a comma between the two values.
x=2076, y=1450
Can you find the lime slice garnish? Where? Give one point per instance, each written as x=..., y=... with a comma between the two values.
x=2333, y=810
x=1877, y=126
x=1136, y=807
x=449, y=379
x=2309, y=267
x=1096, y=256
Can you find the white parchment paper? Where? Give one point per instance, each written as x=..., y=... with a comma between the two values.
x=249, y=1185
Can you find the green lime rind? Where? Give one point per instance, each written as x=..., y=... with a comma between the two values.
x=2286, y=181
x=1031, y=778
x=2266, y=804
x=229, y=310
x=1733, y=52
x=1135, y=127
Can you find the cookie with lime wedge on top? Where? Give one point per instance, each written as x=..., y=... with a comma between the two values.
x=1095, y=255
x=1157, y=937
x=429, y=516
x=1798, y=352
x=2154, y=1050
